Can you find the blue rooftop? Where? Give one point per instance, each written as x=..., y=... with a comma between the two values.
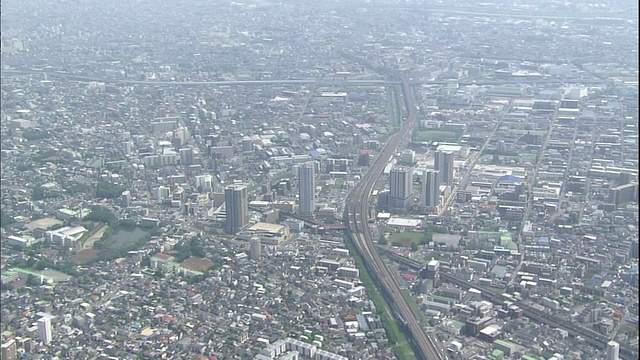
x=510, y=178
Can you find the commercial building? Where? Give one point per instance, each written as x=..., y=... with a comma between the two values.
x=306, y=189
x=236, y=208
x=269, y=234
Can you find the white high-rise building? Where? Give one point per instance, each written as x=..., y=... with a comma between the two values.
x=613, y=350
x=161, y=193
x=431, y=189
x=401, y=186
x=306, y=189
x=204, y=182
x=45, y=332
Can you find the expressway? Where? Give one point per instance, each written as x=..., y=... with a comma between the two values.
x=356, y=216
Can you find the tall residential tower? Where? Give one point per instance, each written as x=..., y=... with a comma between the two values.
x=430, y=189
x=401, y=184
x=237, y=208
x=444, y=165
x=306, y=189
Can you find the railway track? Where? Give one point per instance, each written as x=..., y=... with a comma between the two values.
x=592, y=337
x=356, y=218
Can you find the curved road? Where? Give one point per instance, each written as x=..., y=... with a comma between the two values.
x=357, y=219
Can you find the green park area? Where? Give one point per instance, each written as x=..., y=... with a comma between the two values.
x=118, y=237
x=405, y=239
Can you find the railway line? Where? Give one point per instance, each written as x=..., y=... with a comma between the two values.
x=592, y=337
x=356, y=218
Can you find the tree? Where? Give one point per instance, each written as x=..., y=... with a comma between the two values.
x=574, y=217
x=33, y=280
x=38, y=193
x=107, y=190
x=382, y=240
x=128, y=223
x=414, y=247
x=5, y=219
x=146, y=261
x=74, y=188
x=198, y=251
x=33, y=134
x=102, y=215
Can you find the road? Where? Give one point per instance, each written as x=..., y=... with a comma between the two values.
x=519, y=238
x=326, y=82
x=357, y=219
x=465, y=178
x=592, y=337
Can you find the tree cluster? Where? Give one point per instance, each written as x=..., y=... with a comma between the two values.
x=183, y=251
x=103, y=215
x=35, y=134
x=5, y=219
x=106, y=190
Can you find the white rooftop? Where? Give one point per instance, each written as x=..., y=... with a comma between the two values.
x=395, y=221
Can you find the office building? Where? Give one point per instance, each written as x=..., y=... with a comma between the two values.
x=444, y=165
x=401, y=182
x=306, y=189
x=236, y=208
x=9, y=351
x=431, y=189
x=613, y=350
x=45, y=332
x=255, y=248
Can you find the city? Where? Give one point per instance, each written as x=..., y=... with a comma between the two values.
x=339, y=180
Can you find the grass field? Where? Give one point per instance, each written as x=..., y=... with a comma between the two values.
x=435, y=135
x=414, y=305
x=406, y=238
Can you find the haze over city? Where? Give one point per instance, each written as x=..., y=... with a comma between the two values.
x=319, y=180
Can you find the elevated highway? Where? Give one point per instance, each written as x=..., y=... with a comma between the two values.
x=356, y=218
